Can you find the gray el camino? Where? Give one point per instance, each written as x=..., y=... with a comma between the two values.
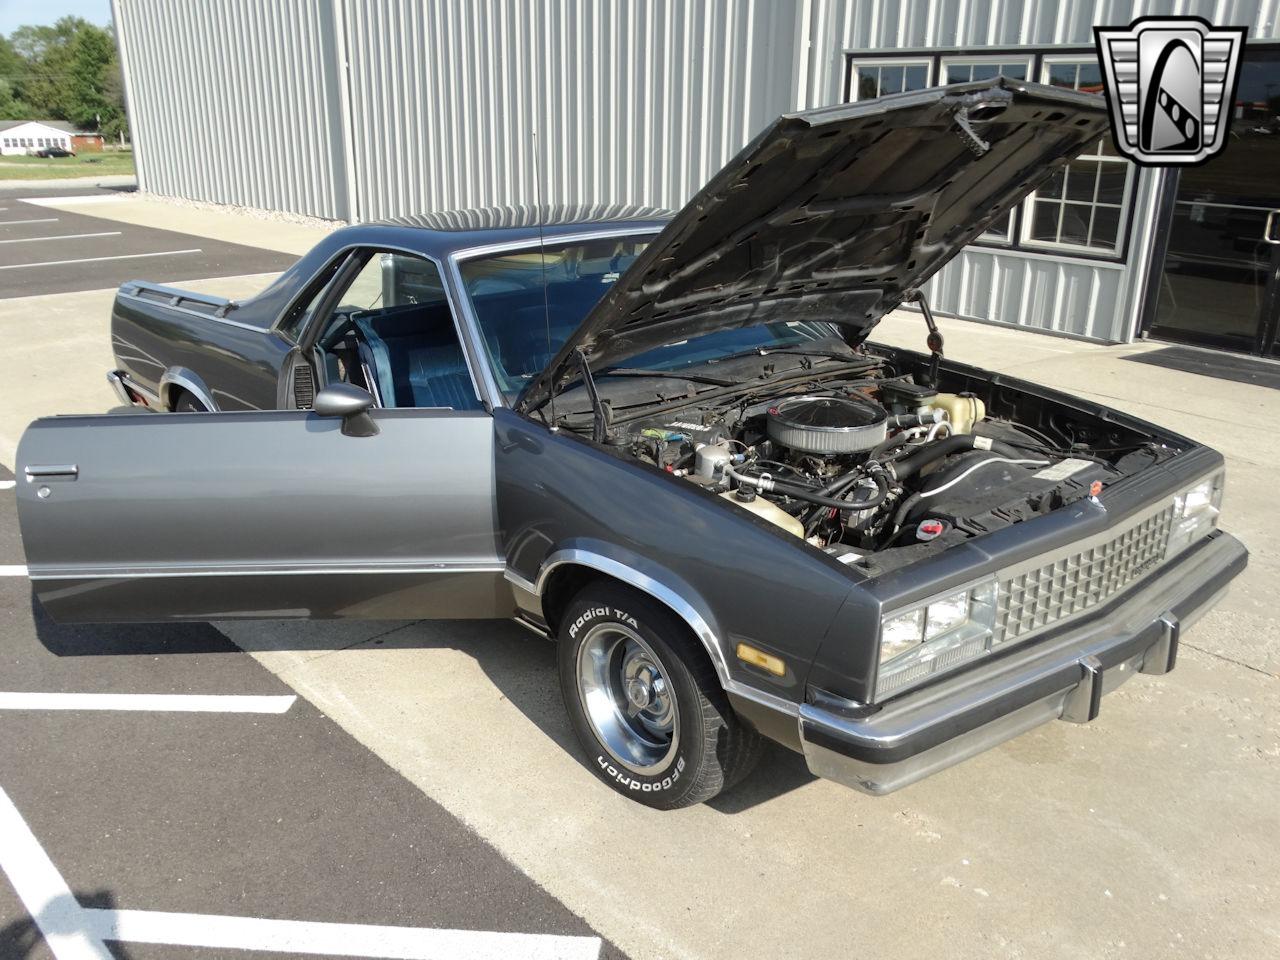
x=665, y=443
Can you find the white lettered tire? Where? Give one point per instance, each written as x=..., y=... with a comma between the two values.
x=645, y=701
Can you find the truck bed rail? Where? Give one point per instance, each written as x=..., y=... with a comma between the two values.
x=179, y=299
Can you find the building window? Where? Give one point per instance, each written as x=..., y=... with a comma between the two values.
x=873, y=78
x=1084, y=204
x=964, y=69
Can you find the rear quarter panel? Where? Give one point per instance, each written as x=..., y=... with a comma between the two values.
x=239, y=361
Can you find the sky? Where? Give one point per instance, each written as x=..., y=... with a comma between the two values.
x=20, y=13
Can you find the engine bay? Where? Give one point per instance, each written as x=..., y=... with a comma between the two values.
x=889, y=465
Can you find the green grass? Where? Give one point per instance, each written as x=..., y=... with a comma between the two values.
x=63, y=168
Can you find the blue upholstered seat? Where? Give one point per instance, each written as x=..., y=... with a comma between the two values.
x=417, y=358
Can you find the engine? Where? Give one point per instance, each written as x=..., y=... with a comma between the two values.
x=861, y=468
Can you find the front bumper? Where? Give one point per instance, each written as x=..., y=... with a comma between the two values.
x=1062, y=675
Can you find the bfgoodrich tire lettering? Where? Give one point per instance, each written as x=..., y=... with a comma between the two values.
x=646, y=703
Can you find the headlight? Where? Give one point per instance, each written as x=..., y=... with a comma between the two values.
x=935, y=636
x=1195, y=513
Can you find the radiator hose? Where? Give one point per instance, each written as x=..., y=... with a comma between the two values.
x=913, y=463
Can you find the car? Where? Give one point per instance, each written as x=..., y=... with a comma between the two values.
x=668, y=444
x=54, y=152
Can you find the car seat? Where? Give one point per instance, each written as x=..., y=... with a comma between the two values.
x=418, y=361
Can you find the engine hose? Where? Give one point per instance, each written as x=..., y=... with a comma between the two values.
x=768, y=484
x=912, y=464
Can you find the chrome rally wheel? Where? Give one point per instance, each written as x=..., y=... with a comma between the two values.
x=645, y=702
x=627, y=698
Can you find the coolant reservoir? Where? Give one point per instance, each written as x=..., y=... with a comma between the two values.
x=962, y=411
x=770, y=511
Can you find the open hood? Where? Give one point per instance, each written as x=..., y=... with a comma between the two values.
x=834, y=214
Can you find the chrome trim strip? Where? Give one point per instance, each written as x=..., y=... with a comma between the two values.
x=189, y=381
x=248, y=570
x=513, y=578
x=646, y=584
x=470, y=253
x=762, y=697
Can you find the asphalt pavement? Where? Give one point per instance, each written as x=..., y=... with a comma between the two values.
x=44, y=250
x=163, y=795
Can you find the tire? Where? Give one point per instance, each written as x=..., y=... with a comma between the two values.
x=188, y=404
x=618, y=649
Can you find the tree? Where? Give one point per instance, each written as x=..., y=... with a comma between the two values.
x=67, y=71
x=12, y=67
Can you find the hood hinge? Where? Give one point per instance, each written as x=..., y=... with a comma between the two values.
x=965, y=131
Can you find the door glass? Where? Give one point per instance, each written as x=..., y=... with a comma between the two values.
x=1216, y=286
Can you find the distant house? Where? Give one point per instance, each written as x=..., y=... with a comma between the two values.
x=22, y=137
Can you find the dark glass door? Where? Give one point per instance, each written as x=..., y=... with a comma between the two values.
x=1220, y=282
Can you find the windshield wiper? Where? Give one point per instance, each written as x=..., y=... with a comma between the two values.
x=666, y=375
x=790, y=351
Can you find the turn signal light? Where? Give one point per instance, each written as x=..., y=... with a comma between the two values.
x=758, y=658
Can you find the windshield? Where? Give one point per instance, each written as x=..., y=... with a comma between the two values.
x=522, y=331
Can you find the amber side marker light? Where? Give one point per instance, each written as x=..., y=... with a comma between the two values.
x=758, y=658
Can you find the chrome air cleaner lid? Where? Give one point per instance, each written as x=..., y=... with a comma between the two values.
x=827, y=425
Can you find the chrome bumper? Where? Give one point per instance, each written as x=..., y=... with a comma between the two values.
x=129, y=392
x=1063, y=675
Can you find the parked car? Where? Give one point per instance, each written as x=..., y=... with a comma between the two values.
x=54, y=152
x=669, y=445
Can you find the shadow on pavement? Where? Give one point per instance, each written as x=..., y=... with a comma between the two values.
x=23, y=938
x=519, y=664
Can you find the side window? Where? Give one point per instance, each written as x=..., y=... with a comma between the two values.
x=392, y=332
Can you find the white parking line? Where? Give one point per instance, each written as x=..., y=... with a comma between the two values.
x=333, y=939
x=7, y=484
x=175, y=702
x=11, y=223
x=127, y=256
x=53, y=907
x=64, y=236
x=13, y=569
x=76, y=933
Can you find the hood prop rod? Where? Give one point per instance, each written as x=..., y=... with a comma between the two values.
x=934, y=340
x=600, y=409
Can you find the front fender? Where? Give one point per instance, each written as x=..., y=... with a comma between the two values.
x=648, y=577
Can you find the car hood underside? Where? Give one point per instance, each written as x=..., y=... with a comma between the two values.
x=835, y=215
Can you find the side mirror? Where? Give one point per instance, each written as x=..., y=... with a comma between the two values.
x=351, y=404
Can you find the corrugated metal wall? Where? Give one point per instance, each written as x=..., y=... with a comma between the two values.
x=638, y=101
x=235, y=101
x=359, y=109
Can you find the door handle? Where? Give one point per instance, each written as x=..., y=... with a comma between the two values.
x=1269, y=231
x=52, y=471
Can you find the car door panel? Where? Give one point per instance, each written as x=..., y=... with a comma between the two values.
x=271, y=514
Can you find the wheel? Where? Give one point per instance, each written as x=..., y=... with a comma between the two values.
x=645, y=702
x=189, y=404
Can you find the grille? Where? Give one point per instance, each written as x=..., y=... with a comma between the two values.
x=1039, y=598
x=304, y=387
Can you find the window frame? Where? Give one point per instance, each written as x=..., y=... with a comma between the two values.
x=888, y=60
x=1021, y=214
x=346, y=263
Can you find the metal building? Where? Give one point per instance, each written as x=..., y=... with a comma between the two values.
x=360, y=109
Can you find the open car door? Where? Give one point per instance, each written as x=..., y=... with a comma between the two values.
x=265, y=514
